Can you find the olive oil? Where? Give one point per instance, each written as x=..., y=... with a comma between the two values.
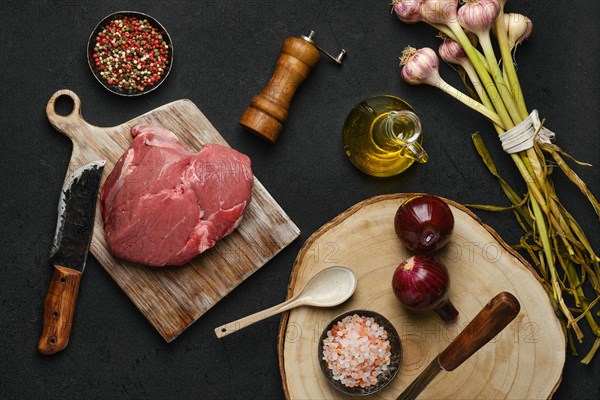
x=382, y=136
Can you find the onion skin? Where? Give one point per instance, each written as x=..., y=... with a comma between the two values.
x=421, y=284
x=424, y=224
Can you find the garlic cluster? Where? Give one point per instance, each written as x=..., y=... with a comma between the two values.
x=421, y=67
x=496, y=90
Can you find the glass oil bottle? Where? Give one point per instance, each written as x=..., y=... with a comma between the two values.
x=382, y=136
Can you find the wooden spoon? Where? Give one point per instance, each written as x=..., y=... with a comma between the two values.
x=330, y=287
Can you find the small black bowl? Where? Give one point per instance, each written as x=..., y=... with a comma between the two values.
x=92, y=43
x=384, y=378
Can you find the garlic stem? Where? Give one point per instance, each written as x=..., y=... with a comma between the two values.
x=485, y=99
x=543, y=232
x=488, y=51
x=530, y=171
x=485, y=77
x=510, y=88
x=446, y=31
x=592, y=352
x=531, y=160
x=582, y=299
x=466, y=100
x=533, y=166
x=536, y=184
x=479, y=89
x=504, y=106
x=508, y=64
x=529, y=180
x=516, y=93
x=536, y=167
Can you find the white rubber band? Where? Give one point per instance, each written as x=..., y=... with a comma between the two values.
x=522, y=136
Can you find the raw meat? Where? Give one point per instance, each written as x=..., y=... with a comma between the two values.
x=163, y=204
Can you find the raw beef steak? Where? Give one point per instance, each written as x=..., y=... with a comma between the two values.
x=163, y=204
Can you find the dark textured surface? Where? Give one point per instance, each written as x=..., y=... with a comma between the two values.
x=224, y=53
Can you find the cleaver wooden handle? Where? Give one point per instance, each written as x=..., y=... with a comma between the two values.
x=59, y=306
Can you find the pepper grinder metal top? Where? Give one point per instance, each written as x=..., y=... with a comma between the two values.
x=269, y=109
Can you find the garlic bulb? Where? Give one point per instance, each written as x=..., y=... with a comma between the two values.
x=439, y=11
x=420, y=66
x=407, y=10
x=477, y=16
x=453, y=53
x=518, y=28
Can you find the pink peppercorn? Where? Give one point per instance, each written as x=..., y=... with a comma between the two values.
x=125, y=54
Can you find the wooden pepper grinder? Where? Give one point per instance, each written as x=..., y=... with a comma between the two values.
x=269, y=109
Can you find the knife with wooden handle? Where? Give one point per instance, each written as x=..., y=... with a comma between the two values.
x=74, y=228
x=492, y=319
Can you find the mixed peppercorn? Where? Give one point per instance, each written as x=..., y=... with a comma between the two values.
x=131, y=54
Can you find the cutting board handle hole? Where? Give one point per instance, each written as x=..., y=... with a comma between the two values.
x=64, y=112
x=64, y=105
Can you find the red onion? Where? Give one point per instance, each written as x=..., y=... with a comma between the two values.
x=424, y=223
x=421, y=284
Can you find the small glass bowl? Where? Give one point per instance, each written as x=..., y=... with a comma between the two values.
x=92, y=43
x=384, y=378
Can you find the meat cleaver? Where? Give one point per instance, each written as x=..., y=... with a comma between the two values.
x=76, y=214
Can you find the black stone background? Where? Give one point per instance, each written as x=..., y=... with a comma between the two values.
x=224, y=54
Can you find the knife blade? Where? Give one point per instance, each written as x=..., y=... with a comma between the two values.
x=74, y=228
x=492, y=319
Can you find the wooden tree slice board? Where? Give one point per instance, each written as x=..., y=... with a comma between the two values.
x=172, y=298
x=523, y=361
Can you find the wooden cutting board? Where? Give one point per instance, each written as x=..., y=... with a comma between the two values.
x=173, y=298
x=524, y=361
